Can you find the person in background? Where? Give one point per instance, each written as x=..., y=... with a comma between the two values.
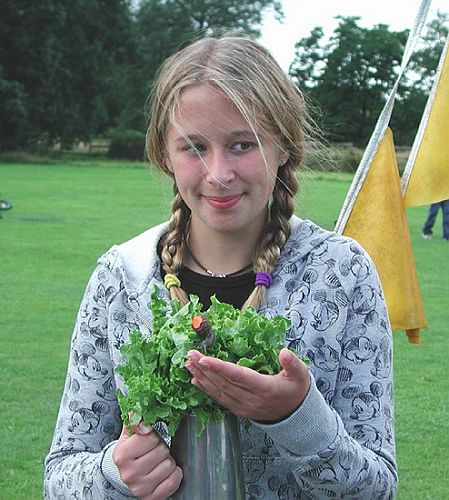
x=229, y=128
x=434, y=208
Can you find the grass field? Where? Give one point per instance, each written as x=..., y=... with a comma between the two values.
x=64, y=216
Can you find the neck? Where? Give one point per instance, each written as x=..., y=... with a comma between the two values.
x=221, y=254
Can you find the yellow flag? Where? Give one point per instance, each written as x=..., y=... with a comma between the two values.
x=378, y=222
x=426, y=177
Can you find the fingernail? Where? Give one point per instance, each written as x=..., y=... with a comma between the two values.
x=191, y=368
x=144, y=429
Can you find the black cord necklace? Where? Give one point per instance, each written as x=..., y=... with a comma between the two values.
x=211, y=273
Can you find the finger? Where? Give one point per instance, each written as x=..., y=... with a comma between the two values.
x=161, y=471
x=294, y=368
x=150, y=462
x=235, y=399
x=194, y=355
x=168, y=486
x=237, y=375
x=139, y=445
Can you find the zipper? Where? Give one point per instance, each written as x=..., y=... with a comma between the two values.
x=139, y=316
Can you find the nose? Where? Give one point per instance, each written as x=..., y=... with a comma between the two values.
x=220, y=168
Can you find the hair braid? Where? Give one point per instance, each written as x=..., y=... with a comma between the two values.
x=276, y=232
x=174, y=244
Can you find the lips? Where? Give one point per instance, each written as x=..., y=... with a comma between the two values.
x=223, y=202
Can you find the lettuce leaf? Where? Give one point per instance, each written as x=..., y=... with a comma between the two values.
x=158, y=385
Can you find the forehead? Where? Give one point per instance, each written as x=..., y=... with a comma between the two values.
x=207, y=106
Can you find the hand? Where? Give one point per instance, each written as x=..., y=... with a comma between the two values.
x=145, y=464
x=250, y=394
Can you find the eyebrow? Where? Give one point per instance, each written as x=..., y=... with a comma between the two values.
x=237, y=134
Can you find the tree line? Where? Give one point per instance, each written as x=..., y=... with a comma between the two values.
x=77, y=70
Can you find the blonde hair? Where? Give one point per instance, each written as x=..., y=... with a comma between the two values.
x=265, y=96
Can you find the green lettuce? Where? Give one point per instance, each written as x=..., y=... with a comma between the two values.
x=158, y=384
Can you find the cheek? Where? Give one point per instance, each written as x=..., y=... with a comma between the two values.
x=187, y=179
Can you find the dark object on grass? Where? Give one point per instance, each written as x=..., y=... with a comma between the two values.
x=4, y=205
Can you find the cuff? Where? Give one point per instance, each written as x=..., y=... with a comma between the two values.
x=311, y=428
x=111, y=473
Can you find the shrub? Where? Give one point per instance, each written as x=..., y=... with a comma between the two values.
x=333, y=159
x=128, y=144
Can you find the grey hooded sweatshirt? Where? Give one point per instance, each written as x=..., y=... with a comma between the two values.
x=338, y=444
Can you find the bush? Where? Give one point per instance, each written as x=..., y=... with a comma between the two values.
x=346, y=159
x=128, y=144
x=333, y=159
x=25, y=157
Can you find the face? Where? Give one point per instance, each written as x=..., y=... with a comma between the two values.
x=224, y=172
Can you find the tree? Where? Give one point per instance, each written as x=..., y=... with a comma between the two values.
x=164, y=26
x=415, y=89
x=350, y=76
x=59, y=62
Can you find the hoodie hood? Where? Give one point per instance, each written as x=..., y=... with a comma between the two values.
x=137, y=261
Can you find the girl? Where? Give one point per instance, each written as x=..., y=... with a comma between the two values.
x=229, y=128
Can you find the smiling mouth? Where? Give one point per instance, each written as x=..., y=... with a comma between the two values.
x=223, y=201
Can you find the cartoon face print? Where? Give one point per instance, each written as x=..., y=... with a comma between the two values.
x=320, y=248
x=108, y=390
x=97, y=327
x=87, y=364
x=298, y=323
x=324, y=356
x=122, y=332
x=104, y=295
x=382, y=365
x=358, y=266
x=346, y=459
x=325, y=314
x=382, y=362
x=364, y=299
x=368, y=436
x=289, y=490
x=365, y=405
x=86, y=420
x=359, y=349
x=301, y=291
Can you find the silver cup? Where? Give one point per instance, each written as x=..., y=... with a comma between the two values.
x=211, y=463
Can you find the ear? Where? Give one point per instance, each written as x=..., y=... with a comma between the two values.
x=283, y=160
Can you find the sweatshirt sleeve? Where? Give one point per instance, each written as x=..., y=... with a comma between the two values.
x=340, y=441
x=79, y=463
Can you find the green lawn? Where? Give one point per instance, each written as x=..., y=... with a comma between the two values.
x=64, y=216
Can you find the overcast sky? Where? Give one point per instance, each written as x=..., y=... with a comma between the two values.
x=301, y=17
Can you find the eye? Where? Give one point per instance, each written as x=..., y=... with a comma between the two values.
x=242, y=146
x=195, y=148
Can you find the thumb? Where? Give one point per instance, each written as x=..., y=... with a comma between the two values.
x=292, y=365
x=125, y=433
x=141, y=428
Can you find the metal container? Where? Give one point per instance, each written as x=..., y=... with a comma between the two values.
x=211, y=463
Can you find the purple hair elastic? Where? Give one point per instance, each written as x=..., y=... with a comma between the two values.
x=264, y=279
